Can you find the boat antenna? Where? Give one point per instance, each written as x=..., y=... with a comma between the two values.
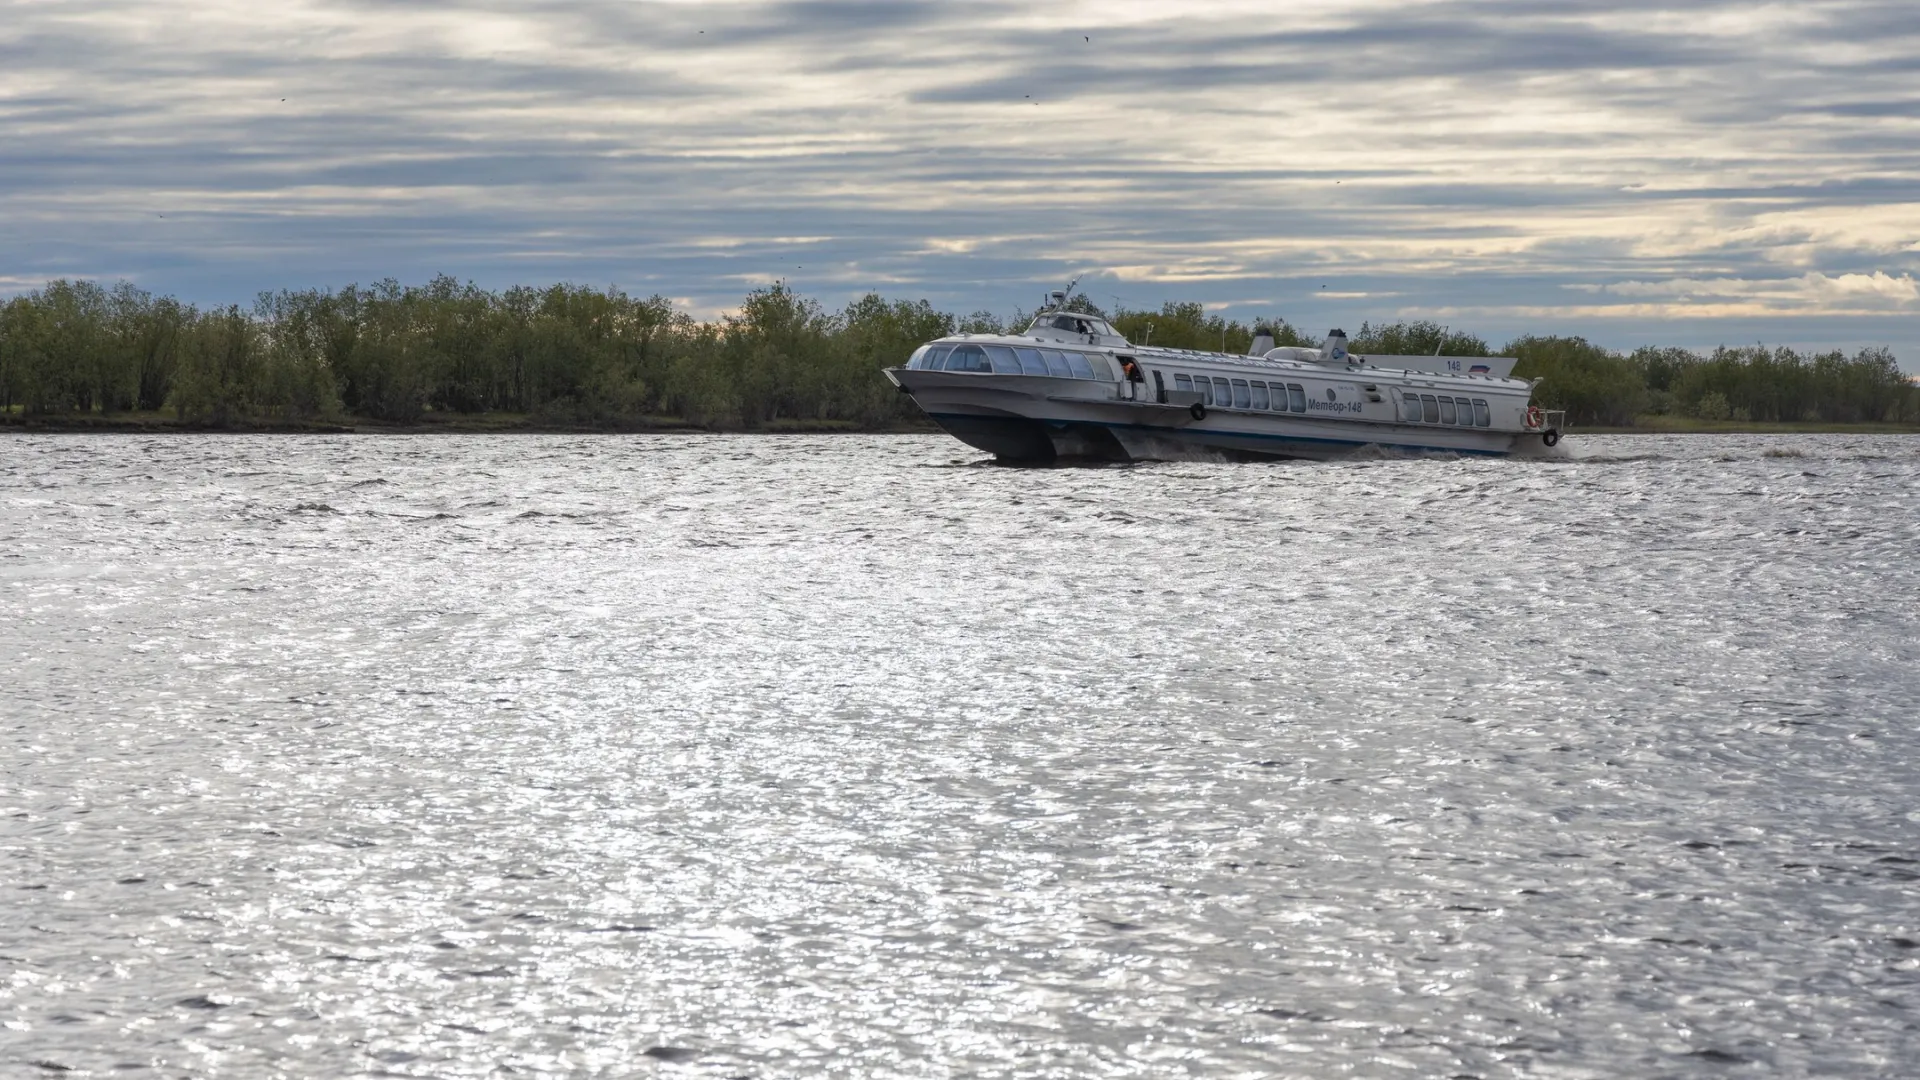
x=1444, y=331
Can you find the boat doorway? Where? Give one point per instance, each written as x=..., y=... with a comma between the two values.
x=1134, y=382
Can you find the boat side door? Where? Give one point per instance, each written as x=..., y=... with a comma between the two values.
x=1133, y=381
x=1406, y=405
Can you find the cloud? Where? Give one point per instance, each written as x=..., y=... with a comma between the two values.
x=1461, y=155
x=1816, y=293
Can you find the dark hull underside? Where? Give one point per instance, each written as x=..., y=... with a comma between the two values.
x=1011, y=438
x=1024, y=440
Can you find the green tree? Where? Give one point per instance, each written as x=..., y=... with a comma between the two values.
x=222, y=368
x=770, y=348
x=1593, y=385
x=297, y=380
x=699, y=388
x=1188, y=325
x=986, y=322
x=65, y=359
x=875, y=334
x=1416, y=339
x=147, y=333
x=390, y=370
x=583, y=355
x=23, y=364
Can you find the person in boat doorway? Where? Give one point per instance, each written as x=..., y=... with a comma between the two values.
x=1131, y=369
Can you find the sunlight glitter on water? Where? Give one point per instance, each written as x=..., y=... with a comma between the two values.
x=792, y=756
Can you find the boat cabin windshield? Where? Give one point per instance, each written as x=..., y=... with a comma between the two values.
x=1073, y=324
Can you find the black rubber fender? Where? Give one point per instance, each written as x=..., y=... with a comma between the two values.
x=1550, y=437
x=1197, y=411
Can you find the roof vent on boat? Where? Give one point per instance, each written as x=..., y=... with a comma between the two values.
x=1262, y=341
x=1334, y=349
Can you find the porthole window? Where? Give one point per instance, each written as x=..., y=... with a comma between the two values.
x=935, y=358
x=1259, y=394
x=1056, y=363
x=1242, y=396
x=1446, y=410
x=1031, y=362
x=1102, y=367
x=1429, y=408
x=1077, y=363
x=1183, y=382
x=1222, y=393
x=1002, y=360
x=1481, y=416
x=1297, y=397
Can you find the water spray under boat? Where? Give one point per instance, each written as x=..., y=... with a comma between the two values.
x=1072, y=386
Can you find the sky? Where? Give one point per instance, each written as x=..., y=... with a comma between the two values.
x=1672, y=173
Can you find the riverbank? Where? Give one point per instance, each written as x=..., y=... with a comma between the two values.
x=503, y=423
x=1687, y=425
x=490, y=423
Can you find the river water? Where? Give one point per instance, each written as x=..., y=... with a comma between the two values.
x=768, y=756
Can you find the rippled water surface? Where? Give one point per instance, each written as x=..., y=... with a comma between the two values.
x=844, y=756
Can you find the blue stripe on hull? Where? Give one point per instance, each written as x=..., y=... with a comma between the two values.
x=1187, y=435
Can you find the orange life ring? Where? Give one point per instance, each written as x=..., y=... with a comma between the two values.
x=1534, y=416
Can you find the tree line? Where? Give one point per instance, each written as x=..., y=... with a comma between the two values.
x=579, y=356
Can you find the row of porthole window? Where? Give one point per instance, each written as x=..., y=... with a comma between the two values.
x=1440, y=409
x=1002, y=360
x=1245, y=393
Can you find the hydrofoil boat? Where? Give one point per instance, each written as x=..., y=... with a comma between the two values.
x=1071, y=386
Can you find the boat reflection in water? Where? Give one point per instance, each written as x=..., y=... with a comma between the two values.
x=1071, y=386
